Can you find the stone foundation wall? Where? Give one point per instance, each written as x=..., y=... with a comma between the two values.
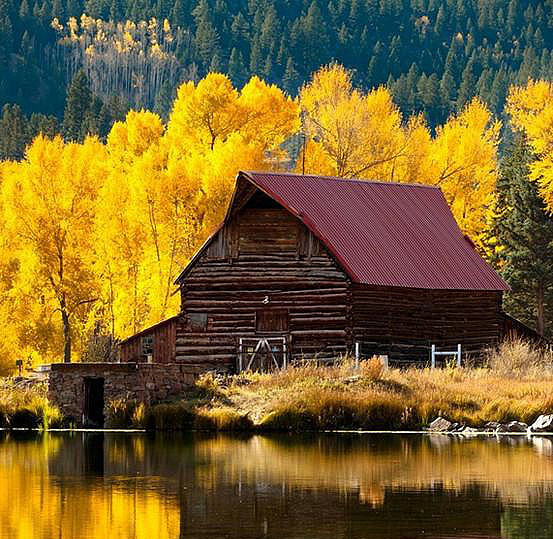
x=143, y=382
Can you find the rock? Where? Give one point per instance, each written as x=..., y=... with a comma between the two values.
x=544, y=423
x=492, y=426
x=440, y=425
x=513, y=426
x=456, y=427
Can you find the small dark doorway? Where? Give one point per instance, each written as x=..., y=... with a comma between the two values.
x=93, y=413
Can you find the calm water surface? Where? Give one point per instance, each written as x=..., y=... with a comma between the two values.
x=68, y=486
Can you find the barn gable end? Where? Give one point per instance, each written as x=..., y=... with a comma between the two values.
x=263, y=274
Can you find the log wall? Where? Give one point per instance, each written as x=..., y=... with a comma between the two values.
x=265, y=258
x=265, y=274
x=403, y=322
x=163, y=337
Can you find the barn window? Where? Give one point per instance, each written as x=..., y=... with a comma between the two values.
x=271, y=320
x=197, y=321
x=147, y=344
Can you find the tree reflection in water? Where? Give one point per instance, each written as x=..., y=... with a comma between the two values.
x=85, y=485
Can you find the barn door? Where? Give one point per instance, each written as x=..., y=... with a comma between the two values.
x=263, y=354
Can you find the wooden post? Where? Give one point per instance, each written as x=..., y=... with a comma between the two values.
x=240, y=353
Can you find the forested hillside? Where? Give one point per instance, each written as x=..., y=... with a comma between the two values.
x=434, y=54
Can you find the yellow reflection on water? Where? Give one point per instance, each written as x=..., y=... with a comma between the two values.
x=123, y=486
x=36, y=503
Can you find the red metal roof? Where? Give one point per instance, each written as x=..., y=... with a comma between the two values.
x=386, y=234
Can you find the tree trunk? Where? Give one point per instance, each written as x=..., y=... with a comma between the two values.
x=66, y=334
x=540, y=308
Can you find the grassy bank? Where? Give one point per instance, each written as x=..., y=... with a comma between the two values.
x=515, y=384
x=24, y=405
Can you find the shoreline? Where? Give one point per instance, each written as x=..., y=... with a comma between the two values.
x=508, y=394
x=459, y=435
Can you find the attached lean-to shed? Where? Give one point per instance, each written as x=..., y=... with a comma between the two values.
x=308, y=266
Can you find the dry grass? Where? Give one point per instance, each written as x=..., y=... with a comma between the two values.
x=26, y=406
x=516, y=383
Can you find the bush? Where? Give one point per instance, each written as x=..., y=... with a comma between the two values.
x=119, y=413
x=24, y=418
x=170, y=417
x=371, y=369
x=25, y=405
x=520, y=358
x=334, y=410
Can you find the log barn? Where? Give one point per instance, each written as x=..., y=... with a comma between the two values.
x=314, y=267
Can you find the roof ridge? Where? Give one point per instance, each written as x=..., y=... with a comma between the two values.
x=336, y=178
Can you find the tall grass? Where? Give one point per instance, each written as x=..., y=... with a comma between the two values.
x=27, y=406
x=175, y=416
x=520, y=359
x=515, y=382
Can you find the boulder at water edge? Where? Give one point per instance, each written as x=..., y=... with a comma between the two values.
x=544, y=423
x=513, y=426
x=440, y=425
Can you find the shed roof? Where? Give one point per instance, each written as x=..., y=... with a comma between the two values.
x=381, y=233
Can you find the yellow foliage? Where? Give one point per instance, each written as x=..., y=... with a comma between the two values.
x=204, y=113
x=531, y=111
x=49, y=203
x=95, y=234
x=361, y=133
x=463, y=160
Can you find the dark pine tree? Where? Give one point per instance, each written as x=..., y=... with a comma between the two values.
x=12, y=133
x=77, y=106
x=524, y=235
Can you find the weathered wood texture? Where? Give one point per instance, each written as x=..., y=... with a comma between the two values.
x=265, y=274
x=163, y=338
x=515, y=329
x=404, y=322
x=264, y=263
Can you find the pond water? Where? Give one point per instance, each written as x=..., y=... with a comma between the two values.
x=127, y=486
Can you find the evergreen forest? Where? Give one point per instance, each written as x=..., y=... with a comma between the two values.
x=434, y=55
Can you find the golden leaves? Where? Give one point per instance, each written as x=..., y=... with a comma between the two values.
x=531, y=111
x=361, y=133
x=464, y=164
x=355, y=134
x=167, y=189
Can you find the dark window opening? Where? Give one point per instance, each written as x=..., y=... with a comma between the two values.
x=197, y=321
x=271, y=320
x=262, y=201
x=147, y=346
